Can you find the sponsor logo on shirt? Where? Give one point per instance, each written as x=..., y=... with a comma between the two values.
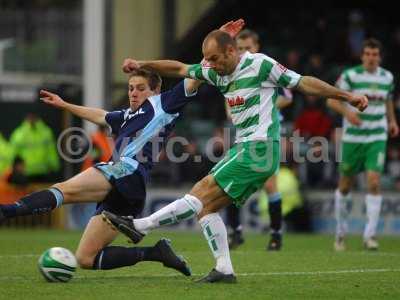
x=140, y=111
x=235, y=101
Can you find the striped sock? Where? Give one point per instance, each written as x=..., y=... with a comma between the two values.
x=373, y=204
x=341, y=212
x=175, y=212
x=215, y=233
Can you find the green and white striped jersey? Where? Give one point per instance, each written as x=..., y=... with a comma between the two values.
x=251, y=92
x=378, y=87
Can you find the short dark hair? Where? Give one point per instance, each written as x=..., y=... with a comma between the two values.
x=247, y=33
x=153, y=78
x=222, y=38
x=372, y=43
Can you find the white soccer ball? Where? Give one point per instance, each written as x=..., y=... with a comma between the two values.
x=57, y=264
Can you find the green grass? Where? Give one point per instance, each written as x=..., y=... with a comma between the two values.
x=306, y=268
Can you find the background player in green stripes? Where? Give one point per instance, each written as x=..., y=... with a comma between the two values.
x=364, y=139
x=248, y=40
x=249, y=83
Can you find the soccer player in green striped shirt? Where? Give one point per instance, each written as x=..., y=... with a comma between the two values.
x=248, y=40
x=249, y=83
x=364, y=139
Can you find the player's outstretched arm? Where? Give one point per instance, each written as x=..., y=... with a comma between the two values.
x=95, y=115
x=169, y=68
x=313, y=86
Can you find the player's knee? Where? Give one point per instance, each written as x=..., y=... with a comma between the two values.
x=344, y=187
x=344, y=190
x=373, y=185
x=84, y=260
x=208, y=208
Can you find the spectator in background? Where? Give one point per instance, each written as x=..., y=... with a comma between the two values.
x=393, y=165
x=195, y=166
x=16, y=174
x=6, y=154
x=356, y=35
x=314, y=113
x=293, y=60
x=321, y=40
x=102, y=146
x=34, y=142
x=315, y=66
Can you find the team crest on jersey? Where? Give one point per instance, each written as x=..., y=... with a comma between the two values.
x=232, y=102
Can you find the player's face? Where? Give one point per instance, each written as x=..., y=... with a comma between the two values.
x=138, y=91
x=247, y=44
x=371, y=58
x=222, y=62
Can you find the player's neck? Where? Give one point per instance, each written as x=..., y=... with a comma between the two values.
x=371, y=70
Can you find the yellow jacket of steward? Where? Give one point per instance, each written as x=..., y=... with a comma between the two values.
x=35, y=144
x=6, y=154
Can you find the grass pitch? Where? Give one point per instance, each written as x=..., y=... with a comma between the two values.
x=306, y=268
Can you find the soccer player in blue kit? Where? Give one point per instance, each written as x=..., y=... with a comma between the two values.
x=119, y=185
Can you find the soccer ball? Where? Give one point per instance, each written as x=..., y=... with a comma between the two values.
x=57, y=264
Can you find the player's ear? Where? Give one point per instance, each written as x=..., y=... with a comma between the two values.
x=230, y=49
x=157, y=90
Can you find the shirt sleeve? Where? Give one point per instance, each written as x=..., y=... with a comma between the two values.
x=274, y=74
x=203, y=71
x=115, y=120
x=174, y=100
x=390, y=94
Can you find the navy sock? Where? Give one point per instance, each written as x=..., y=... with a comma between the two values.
x=35, y=203
x=275, y=212
x=233, y=217
x=116, y=257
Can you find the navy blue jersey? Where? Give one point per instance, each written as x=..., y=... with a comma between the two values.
x=141, y=134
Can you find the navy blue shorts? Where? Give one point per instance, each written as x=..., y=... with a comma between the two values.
x=127, y=196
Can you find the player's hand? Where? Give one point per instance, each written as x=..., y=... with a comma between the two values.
x=130, y=65
x=393, y=129
x=353, y=118
x=233, y=27
x=52, y=99
x=358, y=101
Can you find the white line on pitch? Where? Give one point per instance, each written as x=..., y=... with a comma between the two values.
x=299, y=273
